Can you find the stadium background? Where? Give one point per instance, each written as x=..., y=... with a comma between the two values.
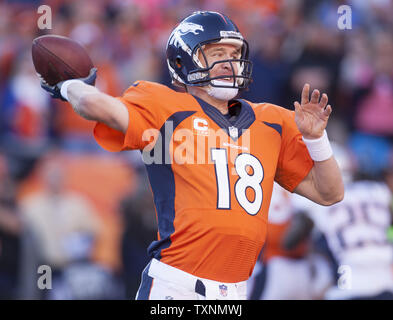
x=50, y=163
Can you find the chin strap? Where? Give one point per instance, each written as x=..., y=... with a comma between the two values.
x=222, y=93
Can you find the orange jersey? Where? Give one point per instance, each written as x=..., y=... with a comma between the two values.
x=211, y=179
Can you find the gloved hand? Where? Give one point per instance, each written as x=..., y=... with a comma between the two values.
x=54, y=91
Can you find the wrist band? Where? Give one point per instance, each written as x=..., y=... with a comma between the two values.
x=320, y=148
x=64, y=87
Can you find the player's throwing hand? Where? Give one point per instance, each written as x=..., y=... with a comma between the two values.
x=55, y=91
x=311, y=116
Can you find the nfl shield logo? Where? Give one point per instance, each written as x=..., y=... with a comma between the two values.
x=223, y=290
x=233, y=132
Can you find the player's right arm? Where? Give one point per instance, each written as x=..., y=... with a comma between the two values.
x=89, y=102
x=146, y=104
x=92, y=104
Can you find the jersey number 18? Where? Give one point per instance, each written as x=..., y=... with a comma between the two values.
x=244, y=162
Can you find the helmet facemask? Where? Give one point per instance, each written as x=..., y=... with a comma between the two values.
x=201, y=75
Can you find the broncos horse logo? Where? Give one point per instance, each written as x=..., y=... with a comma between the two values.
x=181, y=30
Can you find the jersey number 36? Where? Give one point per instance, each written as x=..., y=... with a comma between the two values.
x=244, y=164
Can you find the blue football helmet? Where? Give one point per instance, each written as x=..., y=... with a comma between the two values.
x=187, y=40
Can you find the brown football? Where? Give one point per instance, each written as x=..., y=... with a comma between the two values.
x=58, y=58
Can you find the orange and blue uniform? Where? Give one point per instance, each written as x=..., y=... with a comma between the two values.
x=212, y=207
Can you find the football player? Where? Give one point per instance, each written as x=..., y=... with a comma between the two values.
x=283, y=273
x=353, y=234
x=211, y=204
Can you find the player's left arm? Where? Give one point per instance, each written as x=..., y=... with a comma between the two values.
x=323, y=184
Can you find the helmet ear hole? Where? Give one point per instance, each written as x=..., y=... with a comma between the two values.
x=178, y=62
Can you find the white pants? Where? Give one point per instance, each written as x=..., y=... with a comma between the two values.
x=287, y=279
x=163, y=282
x=362, y=281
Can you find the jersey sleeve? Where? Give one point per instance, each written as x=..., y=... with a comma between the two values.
x=294, y=161
x=145, y=119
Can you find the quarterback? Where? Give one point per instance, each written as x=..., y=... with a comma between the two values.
x=212, y=215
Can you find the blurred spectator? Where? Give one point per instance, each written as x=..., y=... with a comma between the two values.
x=64, y=223
x=318, y=62
x=140, y=229
x=101, y=180
x=375, y=110
x=10, y=236
x=271, y=70
x=372, y=153
x=24, y=114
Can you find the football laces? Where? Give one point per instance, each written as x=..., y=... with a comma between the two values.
x=42, y=79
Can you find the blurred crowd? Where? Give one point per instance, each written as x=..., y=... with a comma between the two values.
x=88, y=214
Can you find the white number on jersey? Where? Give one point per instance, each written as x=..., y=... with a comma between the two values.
x=245, y=181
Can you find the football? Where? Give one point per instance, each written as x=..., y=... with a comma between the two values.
x=57, y=58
